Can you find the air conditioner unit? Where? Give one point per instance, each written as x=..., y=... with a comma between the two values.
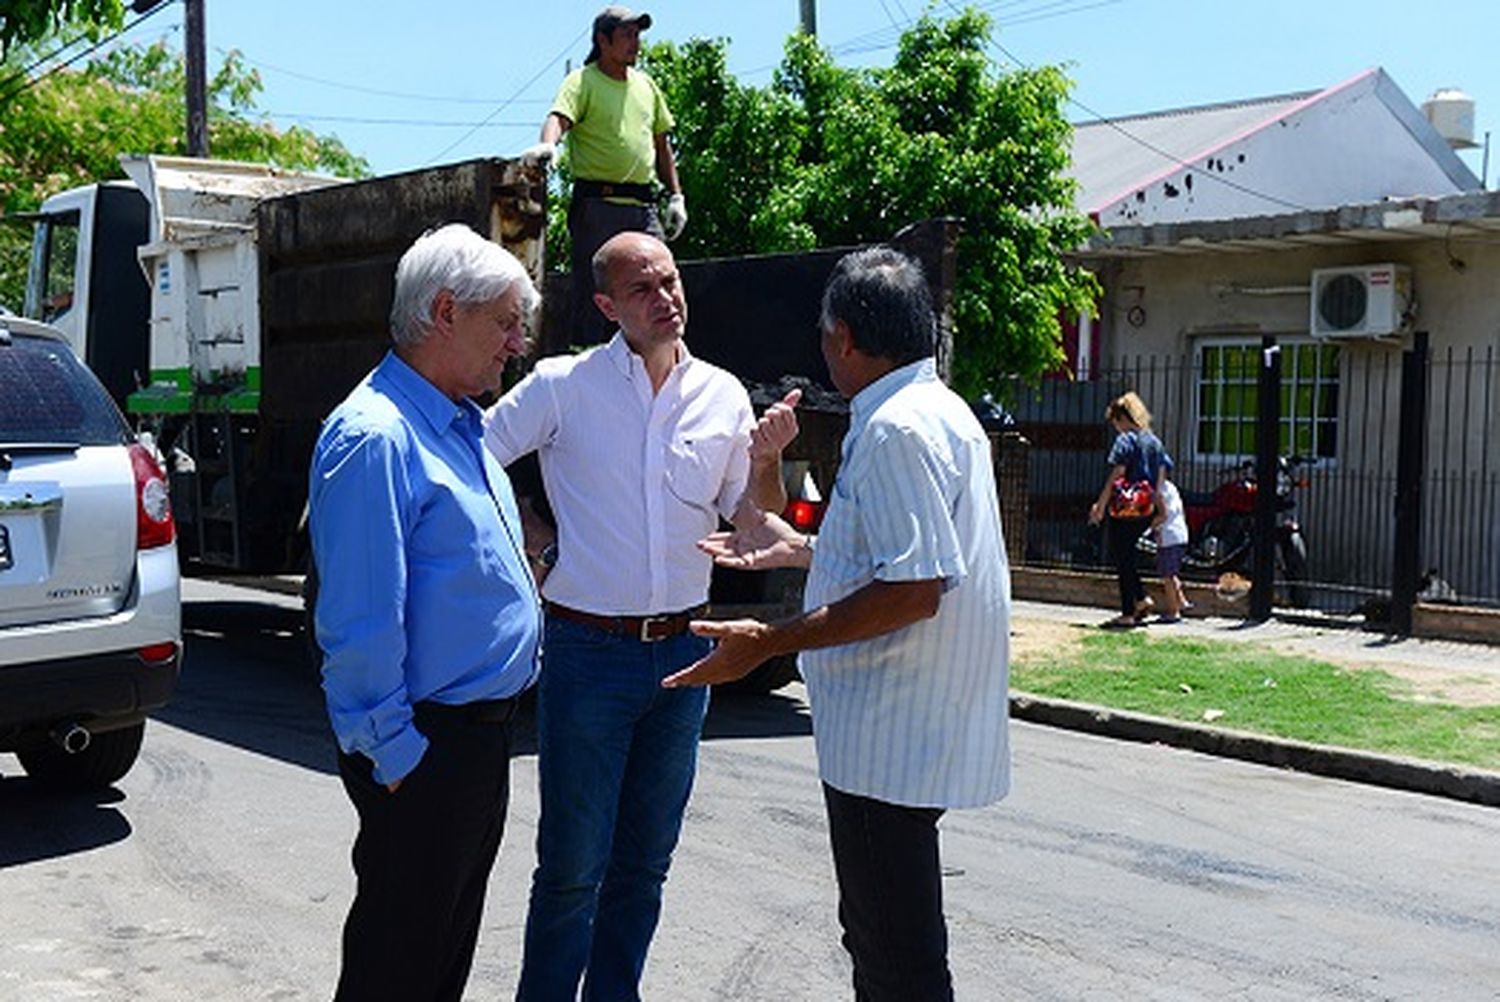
x=1368, y=300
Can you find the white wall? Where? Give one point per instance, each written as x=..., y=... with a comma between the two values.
x=1178, y=302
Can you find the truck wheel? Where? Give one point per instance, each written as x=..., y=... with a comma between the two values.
x=768, y=677
x=107, y=759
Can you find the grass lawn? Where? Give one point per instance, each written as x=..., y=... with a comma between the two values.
x=1252, y=689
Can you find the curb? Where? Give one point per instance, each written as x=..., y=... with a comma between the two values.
x=1475, y=786
x=279, y=584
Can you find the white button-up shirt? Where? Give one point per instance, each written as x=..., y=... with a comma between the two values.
x=917, y=717
x=635, y=479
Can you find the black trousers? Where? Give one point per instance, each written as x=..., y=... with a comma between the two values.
x=890, y=898
x=422, y=859
x=1123, y=533
x=592, y=221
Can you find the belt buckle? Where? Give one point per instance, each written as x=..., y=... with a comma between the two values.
x=647, y=622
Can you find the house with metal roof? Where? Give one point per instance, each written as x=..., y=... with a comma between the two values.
x=1342, y=224
x=1357, y=141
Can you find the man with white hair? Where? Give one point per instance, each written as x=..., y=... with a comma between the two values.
x=427, y=615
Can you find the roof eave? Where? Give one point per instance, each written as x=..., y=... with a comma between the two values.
x=1391, y=220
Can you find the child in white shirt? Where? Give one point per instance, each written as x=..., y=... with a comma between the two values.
x=1171, y=543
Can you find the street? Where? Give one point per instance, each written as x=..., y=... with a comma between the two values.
x=218, y=869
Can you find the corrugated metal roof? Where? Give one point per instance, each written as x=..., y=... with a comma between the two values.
x=1112, y=156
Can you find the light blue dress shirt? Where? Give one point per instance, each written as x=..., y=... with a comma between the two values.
x=425, y=592
x=918, y=716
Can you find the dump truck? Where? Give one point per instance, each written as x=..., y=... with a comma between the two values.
x=229, y=307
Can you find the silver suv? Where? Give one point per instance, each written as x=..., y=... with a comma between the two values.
x=90, y=600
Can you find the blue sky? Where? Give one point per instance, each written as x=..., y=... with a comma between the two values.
x=406, y=84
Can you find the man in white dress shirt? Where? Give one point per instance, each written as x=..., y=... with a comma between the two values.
x=905, y=630
x=642, y=449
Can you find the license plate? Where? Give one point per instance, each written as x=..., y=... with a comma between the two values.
x=6, y=560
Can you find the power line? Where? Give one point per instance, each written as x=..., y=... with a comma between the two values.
x=22, y=74
x=377, y=92
x=1179, y=161
x=889, y=15
x=523, y=88
x=1072, y=10
x=889, y=36
x=353, y=120
x=8, y=96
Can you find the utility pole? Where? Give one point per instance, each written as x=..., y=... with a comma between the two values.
x=810, y=18
x=197, y=80
x=197, y=76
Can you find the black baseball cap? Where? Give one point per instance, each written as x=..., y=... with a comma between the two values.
x=615, y=15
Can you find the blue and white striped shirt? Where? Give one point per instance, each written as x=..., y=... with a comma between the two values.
x=920, y=716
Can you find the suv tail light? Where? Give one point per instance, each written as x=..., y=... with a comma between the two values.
x=803, y=516
x=804, y=510
x=155, y=654
x=153, y=505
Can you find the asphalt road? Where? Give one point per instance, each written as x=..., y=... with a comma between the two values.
x=218, y=869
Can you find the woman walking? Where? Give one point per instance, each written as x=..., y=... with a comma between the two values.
x=1129, y=499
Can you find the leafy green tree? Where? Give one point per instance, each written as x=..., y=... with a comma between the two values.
x=828, y=155
x=26, y=21
x=70, y=128
x=741, y=143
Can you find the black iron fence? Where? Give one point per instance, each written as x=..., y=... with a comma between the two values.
x=1363, y=443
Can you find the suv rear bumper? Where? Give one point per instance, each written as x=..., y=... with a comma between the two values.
x=100, y=692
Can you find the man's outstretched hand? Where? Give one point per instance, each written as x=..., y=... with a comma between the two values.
x=760, y=542
x=741, y=646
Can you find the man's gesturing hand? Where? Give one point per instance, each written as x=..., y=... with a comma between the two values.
x=740, y=647
x=775, y=429
x=761, y=542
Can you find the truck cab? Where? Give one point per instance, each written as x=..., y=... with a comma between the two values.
x=84, y=279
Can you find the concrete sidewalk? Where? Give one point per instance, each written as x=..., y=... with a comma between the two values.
x=1478, y=662
x=1313, y=639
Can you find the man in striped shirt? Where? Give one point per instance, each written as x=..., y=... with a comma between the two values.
x=905, y=628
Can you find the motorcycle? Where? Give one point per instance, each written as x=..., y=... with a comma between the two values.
x=1221, y=526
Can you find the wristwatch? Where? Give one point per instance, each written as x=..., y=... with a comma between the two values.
x=547, y=556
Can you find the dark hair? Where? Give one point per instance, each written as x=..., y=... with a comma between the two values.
x=881, y=295
x=607, y=21
x=593, y=56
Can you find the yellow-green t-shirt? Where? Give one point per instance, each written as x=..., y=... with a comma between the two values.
x=615, y=124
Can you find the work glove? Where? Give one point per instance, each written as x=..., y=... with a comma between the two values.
x=676, y=217
x=541, y=155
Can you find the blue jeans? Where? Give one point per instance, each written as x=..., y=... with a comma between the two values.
x=616, y=756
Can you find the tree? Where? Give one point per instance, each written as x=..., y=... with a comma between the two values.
x=26, y=21
x=70, y=128
x=828, y=155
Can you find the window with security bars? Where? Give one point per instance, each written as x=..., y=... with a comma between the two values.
x=1228, y=402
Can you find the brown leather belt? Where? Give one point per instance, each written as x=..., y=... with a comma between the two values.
x=646, y=629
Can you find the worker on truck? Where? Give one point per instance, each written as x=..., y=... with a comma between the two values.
x=617, y=122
